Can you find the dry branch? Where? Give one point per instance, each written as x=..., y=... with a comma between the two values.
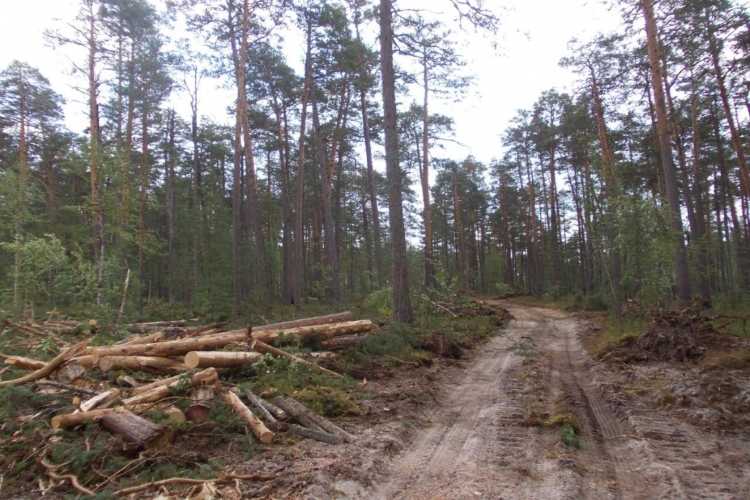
x=262, y=347
x=73, y=419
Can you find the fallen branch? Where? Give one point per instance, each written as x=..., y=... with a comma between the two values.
x=49, y=367
x=66, y=387
x=50, y=468
x=262, y=347
x=186, y=480
x=315, y=434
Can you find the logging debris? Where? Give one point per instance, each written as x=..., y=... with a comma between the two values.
x=168, y=374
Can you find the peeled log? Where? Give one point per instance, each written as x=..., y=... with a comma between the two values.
x=315, y=320
x=323, y=331
x=157, y=392
x=103, y=399
x=343, y=342
x=24, y=363
x=173, y=347
x=220, y=359
x=108, y=363
x=219, y=340
x=256, y=425
x=135, y=429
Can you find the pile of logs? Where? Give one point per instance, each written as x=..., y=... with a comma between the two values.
x=194, y=357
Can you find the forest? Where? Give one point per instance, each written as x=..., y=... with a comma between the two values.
x=634, y=187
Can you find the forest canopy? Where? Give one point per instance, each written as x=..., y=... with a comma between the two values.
x=632, y=187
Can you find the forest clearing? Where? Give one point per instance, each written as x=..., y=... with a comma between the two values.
x=375, y=249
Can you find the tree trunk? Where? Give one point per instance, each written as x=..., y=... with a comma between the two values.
x=402, y=310
x=136, y=430
x=424, y=177
x=665, y=150
x=299, y=227
x=96, y=207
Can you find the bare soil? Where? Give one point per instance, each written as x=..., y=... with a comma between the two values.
x=494, y=425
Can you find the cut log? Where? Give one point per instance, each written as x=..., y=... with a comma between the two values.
x=155, y=393
x=69, y=372
x=173, y=347
x=219, y=340
x=87, y=361
x=175, y=415
x=73, y=419
x=343, y=342
x=154, y=363
x=323, y=331
x=49, y=367
x=102, y=400
x=311, y=419
x=220, y=359
x=136, y=430
x=274, y=410
x=315, y=434
x=256, y=425
x=24, y=363
x=256, y=403
x=322, y=355
x=200, y=406
x=154, y=325
x=315, y=320
x=262, y=347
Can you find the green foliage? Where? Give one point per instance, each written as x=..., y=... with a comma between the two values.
x=380, y=302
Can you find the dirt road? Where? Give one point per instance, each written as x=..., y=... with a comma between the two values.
x=493, y=434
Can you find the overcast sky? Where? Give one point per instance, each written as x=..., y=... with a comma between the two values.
x=534, y=36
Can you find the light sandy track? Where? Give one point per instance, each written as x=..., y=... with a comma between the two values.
x=481, y=446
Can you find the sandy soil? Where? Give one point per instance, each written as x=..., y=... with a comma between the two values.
x=489, y=435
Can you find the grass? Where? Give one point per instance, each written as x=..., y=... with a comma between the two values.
x=613, y=332
x=569, y=428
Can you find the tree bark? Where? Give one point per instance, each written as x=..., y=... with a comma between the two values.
x=136, y=430
x=402, y=310
x=256, y=425
x=665, y=150
x=299, y=221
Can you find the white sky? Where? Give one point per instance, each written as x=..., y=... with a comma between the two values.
x=533, y=38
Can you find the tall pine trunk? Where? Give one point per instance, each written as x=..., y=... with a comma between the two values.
x=665, y=151
x=402, y=310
